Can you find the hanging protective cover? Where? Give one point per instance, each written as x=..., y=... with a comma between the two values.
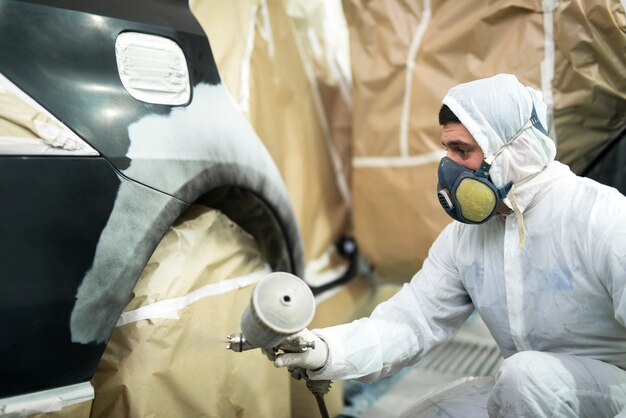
x=167, y=357
x=589, y=86
x=406, y=55
x=287, y=72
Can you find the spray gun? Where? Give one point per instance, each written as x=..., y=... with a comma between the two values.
x=281, y=306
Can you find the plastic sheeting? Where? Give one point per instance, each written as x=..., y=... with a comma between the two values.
x=589, y=78
x=287, y=69
x=79, y=410
x=406, y=55
x=180, y=367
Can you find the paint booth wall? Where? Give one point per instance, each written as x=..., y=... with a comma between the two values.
x=283, y=60
x=286, y=65
x=405, y=56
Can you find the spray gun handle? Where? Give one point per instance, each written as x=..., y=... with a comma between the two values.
x=295, y=344
x=291, y=344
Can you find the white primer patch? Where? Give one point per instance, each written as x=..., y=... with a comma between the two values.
x=210, y=132
x=220, y=123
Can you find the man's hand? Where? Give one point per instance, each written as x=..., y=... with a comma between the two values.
x=311, y=359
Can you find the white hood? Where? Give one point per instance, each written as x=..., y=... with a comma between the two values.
x=493, y=109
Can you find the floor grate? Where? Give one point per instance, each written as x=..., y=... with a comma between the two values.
x=464, y=357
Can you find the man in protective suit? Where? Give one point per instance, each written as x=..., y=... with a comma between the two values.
x=539, y=252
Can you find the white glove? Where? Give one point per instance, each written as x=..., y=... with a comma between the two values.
x=311, y=359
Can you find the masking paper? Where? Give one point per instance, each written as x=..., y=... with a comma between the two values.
x=406, y=55
x=589, y=78
x=27, y=129
x=180, y=367
x=289, y=73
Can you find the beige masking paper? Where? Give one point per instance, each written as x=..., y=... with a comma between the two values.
x=287, y=78
x=179, y=366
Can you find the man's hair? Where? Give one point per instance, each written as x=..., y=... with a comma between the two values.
x=446, y=116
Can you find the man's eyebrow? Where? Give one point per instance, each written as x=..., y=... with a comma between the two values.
x=456, y=143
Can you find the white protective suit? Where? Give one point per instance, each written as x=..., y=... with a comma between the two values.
x=556, y=307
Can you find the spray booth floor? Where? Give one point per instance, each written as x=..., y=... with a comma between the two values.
x=465, y=360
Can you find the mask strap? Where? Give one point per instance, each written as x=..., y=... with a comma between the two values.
x=510, y=188
x=518, y=213
x=533, y=121
x=489, y=160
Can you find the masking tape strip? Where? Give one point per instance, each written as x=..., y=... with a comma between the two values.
x=547, y=65
x=266, y=29
x=408, y=82
x=244, y=81
x=168, y=308
x=344, y=81
x=321, y=278
x=342, y=77
x=319, y=263
x=319, y=272
x=411, y=161
x=342, y=183
x=46, y=401
x=324, y=296
x=336, y=39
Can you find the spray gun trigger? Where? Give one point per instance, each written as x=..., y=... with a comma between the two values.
x=295, y=344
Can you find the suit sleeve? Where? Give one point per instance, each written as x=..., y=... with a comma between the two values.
x=608, y=226
x=421, y=315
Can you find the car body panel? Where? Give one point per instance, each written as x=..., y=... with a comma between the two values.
x=78, y=231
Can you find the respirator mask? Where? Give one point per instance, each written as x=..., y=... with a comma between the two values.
x=469, y=196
